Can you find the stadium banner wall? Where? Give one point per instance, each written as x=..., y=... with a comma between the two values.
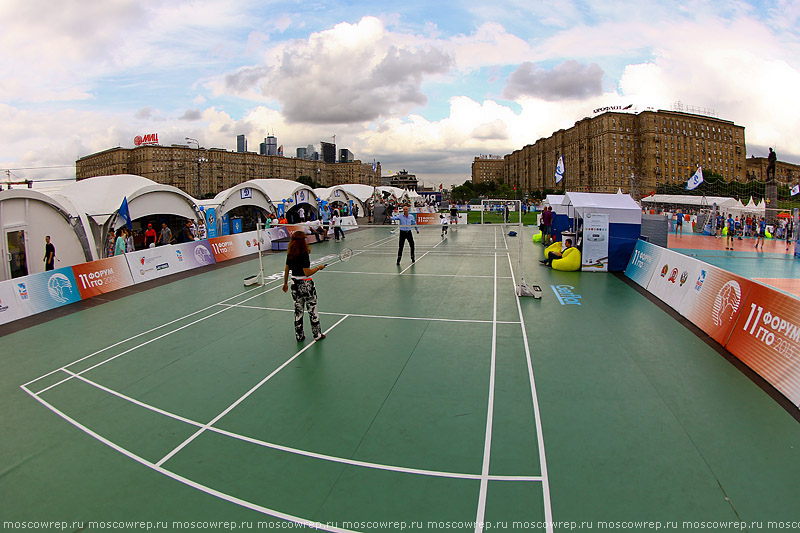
x=643, y=262
x=102, y=276
x=767, y=338
x=233, y=246
x=715, y=301
x=10, y=309
x=594, y=256
x=154, y=263
x=675, y=276
x=43, y=291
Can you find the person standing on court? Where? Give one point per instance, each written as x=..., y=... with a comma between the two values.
x=166, y=235
x=149, y=236
x=679, y=222
x=406, y=221
x=49, y=254
x=303, y=291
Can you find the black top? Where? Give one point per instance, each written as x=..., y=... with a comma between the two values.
x=298, y=263
x=454, y=212
x=48, y=249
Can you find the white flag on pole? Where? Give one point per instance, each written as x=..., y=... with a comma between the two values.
x=560, y=169
x=795, y=189
x=695, y=180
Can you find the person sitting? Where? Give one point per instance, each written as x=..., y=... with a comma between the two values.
x=556, y=255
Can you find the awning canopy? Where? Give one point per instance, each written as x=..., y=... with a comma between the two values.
x=621, y=208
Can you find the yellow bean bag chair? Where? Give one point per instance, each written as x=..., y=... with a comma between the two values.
x=768, y=235
x=555, y=247
x=537, y=237
x=569, y=262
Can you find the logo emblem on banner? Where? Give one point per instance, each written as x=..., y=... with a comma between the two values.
x=247, y=192
x=56, y=285
x=23, y=291
x=727, y=302
x=203, y=255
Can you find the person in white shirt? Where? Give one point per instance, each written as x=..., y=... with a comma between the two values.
x=443, y=221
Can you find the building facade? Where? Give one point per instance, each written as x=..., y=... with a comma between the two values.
x=401, y=180
x=206, y=172
x=486, y=168
x=632, y=151
x=785, y=173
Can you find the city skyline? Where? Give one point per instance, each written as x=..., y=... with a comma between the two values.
x=414, y=86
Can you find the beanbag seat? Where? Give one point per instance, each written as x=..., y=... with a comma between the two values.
x=537, y=237
x=555, y=247
x=570, y=262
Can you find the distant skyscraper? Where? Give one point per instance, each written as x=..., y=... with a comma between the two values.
x=262, y=148
x=345, y=156
x=272, y=145
x=241, y=143
x=302, y=153
x=328, y=152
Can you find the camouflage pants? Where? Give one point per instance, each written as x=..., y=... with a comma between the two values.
x=305, y=297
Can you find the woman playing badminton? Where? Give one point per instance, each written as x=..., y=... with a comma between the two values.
x=303, y=290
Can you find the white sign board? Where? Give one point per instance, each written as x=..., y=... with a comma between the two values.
x=595, y=242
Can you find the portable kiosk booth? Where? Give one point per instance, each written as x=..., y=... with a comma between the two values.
x=337, y=196
x=607, y=240
x=561, y=218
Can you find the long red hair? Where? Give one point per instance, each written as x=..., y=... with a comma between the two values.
x=297, y=244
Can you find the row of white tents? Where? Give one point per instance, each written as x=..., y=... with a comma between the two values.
x=726, y=205
x=80, y=217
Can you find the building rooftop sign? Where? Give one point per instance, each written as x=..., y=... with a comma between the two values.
x=149, y=138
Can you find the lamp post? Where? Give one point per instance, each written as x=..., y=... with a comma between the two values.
x=199, y=160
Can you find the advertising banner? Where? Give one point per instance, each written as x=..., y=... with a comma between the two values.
x=643, y=262
x=225, y=225
x=675, y=276
x=46, y=290
x=236, y=225
x=211, y=222
x=233, y=246
x=9, y=307
x=105, y=275
x=715, y=301
x=595, y=242
x=161, y=261
x=427, y=218
x=767, y=338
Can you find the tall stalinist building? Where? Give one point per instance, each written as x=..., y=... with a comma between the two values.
x=638, y=151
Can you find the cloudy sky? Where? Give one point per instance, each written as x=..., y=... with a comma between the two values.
x=417, y=85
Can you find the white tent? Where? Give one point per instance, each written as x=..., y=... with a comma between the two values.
x=700, y=201
x=286, y=194
x=338, y=193
x=99, y=200
x=362, y=192
x=26, y=217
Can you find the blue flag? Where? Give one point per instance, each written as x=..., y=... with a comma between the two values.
x=695, y=180
x=560, y=169
x=124, y=213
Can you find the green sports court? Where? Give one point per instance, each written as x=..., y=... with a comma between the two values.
x=438, y=401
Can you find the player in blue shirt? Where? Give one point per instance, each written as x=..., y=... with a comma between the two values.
x=406, y=221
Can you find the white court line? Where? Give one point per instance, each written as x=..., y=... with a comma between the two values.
x=548, y=513
x=487, y=443
x=147, y=342
x=240, y=400
x=422, y=318
x=305, y=453
x=137, y=335
x=412, y=274
x=187, y=481
x=413, y=263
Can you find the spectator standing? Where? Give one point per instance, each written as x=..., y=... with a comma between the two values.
x=50, y=254
x=119, y=245
x=149, y=236
x=166, y=235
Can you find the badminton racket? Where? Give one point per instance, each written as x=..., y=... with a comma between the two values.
x=345, y=255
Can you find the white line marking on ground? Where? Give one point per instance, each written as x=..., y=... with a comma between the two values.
x=413, y=274
x=138, y=335
x=148, y=342
x=305, y=453
x=487, y=444
x=465, y=320
x=412, y=264
x=548, y=513
x=241, y=399
x=187, y=481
